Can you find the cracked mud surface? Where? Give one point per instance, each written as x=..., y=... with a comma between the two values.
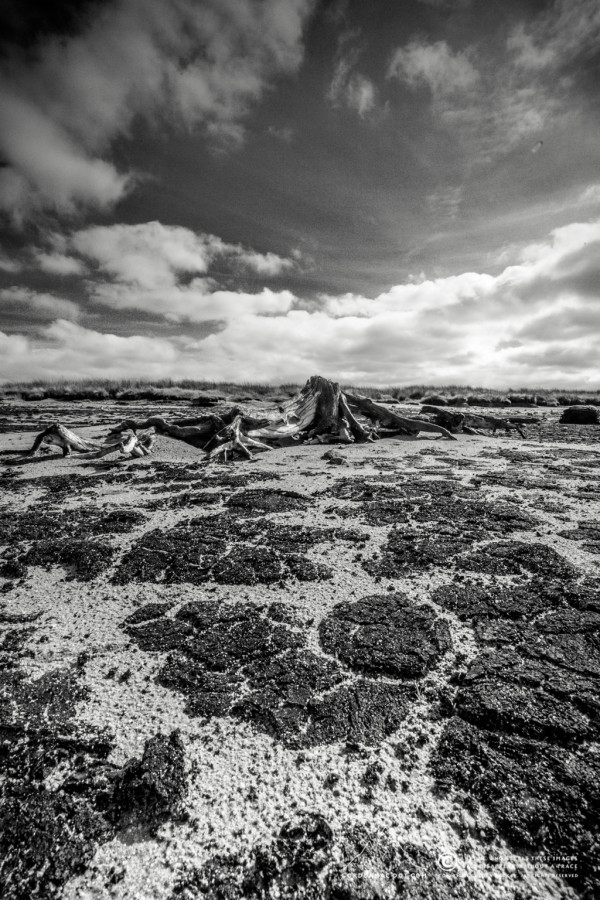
x=269, y=680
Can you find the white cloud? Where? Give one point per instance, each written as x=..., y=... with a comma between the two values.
x=47, y=168
x=360, y=94
x=349, y=87
x=59, y=264
x=153, y=256
x=195, y=302
x=565, y=31
x=590, y=194
x=535, y=322
x=149, y=254
x=196, y=64
x=38, y=305
x=9, y=265
x=434, y=65
x=488, y=101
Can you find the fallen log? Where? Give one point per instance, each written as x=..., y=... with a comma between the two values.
x=391, y=420
x=472, y=423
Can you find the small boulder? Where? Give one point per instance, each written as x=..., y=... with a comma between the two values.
x=435, y=400
x=580, y=415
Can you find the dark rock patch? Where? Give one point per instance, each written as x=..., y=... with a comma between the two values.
x=62, y=539
x=525, y=710
x=542, y=797
x=259, y=501
x=84, y=560
x=434, y=503
x=184, y=500
x=589, y=532
x=151, y=790
x=12, y=646
x=236, y=660
x=516, y=557
x=57, y=488
x=46, y=836
x=230, y=551
x=225, y=478
x=31, y=525
x=49, y=834
x=147, y=612
x=410, y=548
x=386, y=635
x=308, y=860
x=472, y=600
x=517, y=481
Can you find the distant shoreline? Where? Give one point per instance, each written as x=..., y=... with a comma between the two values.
x=210, y=392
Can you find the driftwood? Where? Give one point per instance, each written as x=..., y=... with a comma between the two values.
x=199, y=431
x=320, y=413
x=476, y=423
x=58, y=436
x=127, y=443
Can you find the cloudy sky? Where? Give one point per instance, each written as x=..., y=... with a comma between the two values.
x=381, y=192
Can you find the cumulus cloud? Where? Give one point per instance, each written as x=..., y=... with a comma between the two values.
x=534, y=322
x=152, y=255
x=192, y=64
x=165, y=270
x=194, y=302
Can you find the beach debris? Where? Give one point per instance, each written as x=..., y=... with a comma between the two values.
x=470, y=423
x=320, y=413
x=58, y=436
x=129, y=444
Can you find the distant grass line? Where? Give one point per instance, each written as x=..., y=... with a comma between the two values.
x=184, y=389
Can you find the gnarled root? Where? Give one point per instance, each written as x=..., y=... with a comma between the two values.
x=231, y=440
x=59, y=436
x=128, y=444
x=388, y=419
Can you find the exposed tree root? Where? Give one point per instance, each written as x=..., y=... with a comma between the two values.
x=321, y=413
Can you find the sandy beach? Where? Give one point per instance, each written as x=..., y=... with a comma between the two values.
x=288, y=678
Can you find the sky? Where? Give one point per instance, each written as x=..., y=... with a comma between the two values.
x=383, y=193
